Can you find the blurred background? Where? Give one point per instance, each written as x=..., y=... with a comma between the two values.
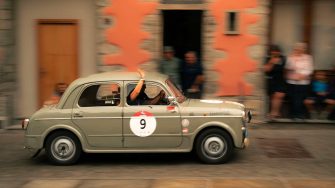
x=45, y=42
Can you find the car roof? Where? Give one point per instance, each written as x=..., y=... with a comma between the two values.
x=110, y=76
x=122, y=76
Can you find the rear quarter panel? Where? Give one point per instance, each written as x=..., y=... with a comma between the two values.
x=45, y=121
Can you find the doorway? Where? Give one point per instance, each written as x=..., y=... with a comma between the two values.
x=58, y=54
x=182, y=31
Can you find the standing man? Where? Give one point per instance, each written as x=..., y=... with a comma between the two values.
x=192, y=76
x=170, y=65
x=299, y=69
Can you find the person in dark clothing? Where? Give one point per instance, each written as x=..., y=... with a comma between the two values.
x=192, y=76
x=140, y=99
x=332, y=94
x=137, y=96
x=276, y=85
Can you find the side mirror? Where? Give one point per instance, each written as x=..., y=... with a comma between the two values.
x=172, y=100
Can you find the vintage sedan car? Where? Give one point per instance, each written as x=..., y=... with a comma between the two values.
x=93, y=116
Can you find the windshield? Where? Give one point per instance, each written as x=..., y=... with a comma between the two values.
x=179, y=95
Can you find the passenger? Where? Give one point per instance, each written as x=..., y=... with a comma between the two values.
x=57, y=94
x=138, y=97
x=276, y=85
x=115, y=94
x=321, y=102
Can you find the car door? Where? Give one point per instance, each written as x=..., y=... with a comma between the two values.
x=98, y=113
x=151, y=126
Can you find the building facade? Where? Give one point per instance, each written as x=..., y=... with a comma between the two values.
x=43, y=42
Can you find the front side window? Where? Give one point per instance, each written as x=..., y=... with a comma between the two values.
x=179, y=95
x=100, y=95
x=150, y=95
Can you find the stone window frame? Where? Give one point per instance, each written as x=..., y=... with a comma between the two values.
x=228, y=22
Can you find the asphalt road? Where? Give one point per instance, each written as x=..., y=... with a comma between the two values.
x=280, y=155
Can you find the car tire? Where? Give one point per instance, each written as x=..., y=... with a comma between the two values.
x=63, y=148
x=214, y=146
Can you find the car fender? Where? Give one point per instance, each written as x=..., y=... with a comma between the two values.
x=215, y=124
x=64, y=127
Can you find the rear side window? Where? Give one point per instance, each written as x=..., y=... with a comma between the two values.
x=100, y=95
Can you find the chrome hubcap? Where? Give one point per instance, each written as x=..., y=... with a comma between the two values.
x=63, y=148
x=214, y=146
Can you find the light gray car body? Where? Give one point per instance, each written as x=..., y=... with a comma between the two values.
x=107, y=129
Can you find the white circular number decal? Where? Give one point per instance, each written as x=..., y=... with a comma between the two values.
x=143, y=123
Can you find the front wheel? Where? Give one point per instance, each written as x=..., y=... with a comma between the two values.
x=63, y=148
x=214, y=146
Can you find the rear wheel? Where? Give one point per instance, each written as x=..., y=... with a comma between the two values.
x=63, y=148
x=214, y=146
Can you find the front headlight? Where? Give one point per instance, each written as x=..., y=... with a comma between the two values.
x=25, y=123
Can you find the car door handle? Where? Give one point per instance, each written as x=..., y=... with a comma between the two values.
x=78, y=114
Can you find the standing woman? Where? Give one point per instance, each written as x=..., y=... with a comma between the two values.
x=276, y=86
x=299, y=69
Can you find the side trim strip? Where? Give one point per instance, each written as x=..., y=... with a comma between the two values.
x=110, y=117
x=111, y=135
x=128, y=117
x=41, y=119
x=193, y=116
x=134, y=136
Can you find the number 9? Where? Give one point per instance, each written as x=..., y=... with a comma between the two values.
x=143, y=123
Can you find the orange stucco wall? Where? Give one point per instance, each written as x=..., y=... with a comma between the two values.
x=237, y=63
x=126, y=33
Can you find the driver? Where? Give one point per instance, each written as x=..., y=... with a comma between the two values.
x=138, y=97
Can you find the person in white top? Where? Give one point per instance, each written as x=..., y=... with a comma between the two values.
x=299, y=68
